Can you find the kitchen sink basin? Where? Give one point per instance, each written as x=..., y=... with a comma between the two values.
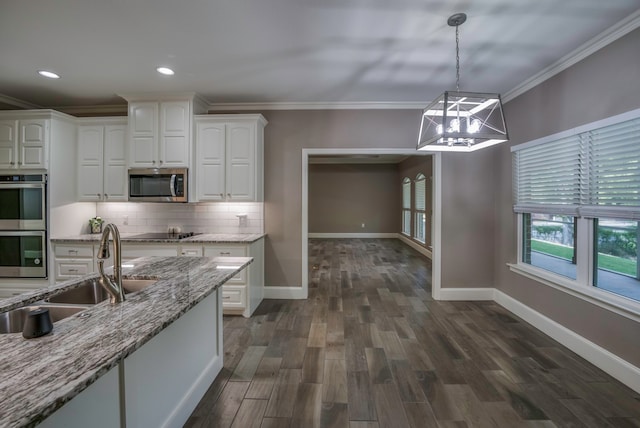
x=13, y=321
x=91, y=292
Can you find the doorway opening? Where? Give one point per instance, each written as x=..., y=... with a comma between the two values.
x=345, y=153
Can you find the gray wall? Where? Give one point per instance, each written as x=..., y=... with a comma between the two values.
x=287, y=133
x=344, y=196
x=602, y=85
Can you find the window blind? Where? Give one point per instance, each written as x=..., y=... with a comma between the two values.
x=420, y=193
x=406, y=194
x=592, y=174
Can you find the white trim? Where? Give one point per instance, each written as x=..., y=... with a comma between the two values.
x=291, y=293
x=436, y=231
x=611, y=120
x=118, y=110
x=467, y=294
x=436, y=204
x=353, y=235
x=383, y=105
x=622, y=306
x=419, y=248
x=6, y=99
x=615, y=366
x=603, y=39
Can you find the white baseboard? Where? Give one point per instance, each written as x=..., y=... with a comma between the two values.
x=293, y=293
x=467, y=294
x=419, y=248
x=615, y=366
x=352, y=235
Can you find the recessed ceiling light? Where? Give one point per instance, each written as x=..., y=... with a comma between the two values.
x=49, y=74
x=165, y=70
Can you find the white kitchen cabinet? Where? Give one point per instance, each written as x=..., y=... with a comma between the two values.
x=229, y=157
x=160, y=135
x=24, y=143
x=73, y=260
x=102, y=162
x=242, y=294
x=133, y=251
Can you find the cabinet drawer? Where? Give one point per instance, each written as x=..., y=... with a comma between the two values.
x=233, y=297
x=74, y=251
x=71, y=268
x=132, y=252
x=229, y=251
x=191, y=250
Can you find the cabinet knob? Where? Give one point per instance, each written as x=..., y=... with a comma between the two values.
x=12, y=163
x=222, y=195
x=106, y=196
x=98, y=194
x=228, y=195
x=160, y=162
x=153, y=162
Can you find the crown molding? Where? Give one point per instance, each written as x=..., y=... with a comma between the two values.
x=96, y=110
x=317, y=106
x=603, y=39
x=6, y=99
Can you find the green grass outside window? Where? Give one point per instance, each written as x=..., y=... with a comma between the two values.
x=605, y=261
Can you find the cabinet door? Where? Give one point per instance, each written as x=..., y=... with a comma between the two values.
x=210, y=161
x=8, y=144
x=143, y=125
x=90, y=150
x=34, y=135
x=241, y=142
x=229, y=251
x=174, y=134
x=115, y=163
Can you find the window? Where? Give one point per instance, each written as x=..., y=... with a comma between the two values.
x=406, y=206
x=577, y=195
x=420, y=217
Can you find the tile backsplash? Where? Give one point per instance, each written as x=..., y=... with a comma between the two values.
x=218, y=217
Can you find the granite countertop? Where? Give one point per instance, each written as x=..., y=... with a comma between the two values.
x=205, y=238
x=37, y=376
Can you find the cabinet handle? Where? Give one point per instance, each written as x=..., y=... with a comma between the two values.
x=73, y=251
x=73, y=270
x=226, y=297
x=223, y=253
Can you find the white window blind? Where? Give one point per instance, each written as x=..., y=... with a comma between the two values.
x=420, y=193
x=592, y=174
x=406, y=193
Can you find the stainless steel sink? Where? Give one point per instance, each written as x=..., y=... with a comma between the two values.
x=91, y=292
x=131, y=285
x=13, y=321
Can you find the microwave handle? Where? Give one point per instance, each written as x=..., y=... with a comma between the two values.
x=172, y=185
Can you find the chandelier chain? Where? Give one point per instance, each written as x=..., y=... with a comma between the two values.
x=457, y=59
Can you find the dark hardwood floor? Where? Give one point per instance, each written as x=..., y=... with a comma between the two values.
x=370, y=348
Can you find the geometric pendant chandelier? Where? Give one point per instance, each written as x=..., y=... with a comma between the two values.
x=462, y=121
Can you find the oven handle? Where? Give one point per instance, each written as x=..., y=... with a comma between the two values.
x=22, y=233
x=172, y=185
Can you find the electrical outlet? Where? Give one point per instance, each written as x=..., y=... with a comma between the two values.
x=362, y=225
x=125, y=220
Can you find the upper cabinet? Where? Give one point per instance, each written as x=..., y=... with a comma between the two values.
x=229, y=157
x=24, y=143
x=102, y=160
x=160, y=130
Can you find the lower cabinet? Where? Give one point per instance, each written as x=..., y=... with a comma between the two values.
x=72, y=261
x=158, y=385
x=241, y=295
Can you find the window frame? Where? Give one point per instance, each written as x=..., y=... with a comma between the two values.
x=582, y=287
x=405, y=181
x=416, y=212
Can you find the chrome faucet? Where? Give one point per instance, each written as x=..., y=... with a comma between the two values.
x=113, y=286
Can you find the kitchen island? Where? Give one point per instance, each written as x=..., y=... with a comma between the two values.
x=144, y=362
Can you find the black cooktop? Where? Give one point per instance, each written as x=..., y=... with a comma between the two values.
x=163, y=235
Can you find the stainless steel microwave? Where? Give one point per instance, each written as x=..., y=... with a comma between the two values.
x=158, y=185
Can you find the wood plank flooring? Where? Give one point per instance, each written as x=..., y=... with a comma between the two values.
x=370, y=348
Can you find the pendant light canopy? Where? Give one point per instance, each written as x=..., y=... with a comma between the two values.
x=462, y=121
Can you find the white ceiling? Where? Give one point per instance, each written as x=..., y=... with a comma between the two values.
x=285, y=51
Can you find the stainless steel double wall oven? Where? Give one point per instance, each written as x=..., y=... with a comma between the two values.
x=23, y=225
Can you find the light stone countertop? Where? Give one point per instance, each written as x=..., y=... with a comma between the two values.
x=205, y=238
x=38, y=376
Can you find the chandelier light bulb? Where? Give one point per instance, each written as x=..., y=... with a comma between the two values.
x=473, y=126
